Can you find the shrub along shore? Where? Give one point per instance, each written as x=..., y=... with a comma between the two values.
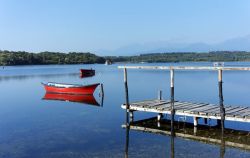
x=44, y=58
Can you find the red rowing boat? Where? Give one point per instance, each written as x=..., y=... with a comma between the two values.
x=87, y=72
x=52, y=87
x=86, y=99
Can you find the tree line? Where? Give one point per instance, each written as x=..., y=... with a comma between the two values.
x=26, y=58
x=42, y=58
x=214, y=56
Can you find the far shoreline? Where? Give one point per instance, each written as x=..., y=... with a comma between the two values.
x=13, y=58
x=117, y=63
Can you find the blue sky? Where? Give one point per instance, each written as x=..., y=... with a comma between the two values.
x=94, y=25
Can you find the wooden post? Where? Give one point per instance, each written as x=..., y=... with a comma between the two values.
x=172, y=94
x=172, y=88
x=159, y=116
x=131, y=116
x=222, y=109
x=158, y=124
x=102, y=90
x=126, y=88
x=160, y=95
x=195, y=121
x=195, y=130
x=222, y=114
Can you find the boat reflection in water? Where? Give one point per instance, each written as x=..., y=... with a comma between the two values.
x=202, y=134
x=79, y=98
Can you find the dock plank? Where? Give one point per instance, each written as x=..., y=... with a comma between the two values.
x=161, y=107
x=193, y=106
x=209, y=110
x=192, y=109
x=156, y=104
x=185, y=105
x=147, y=103
x=176, y=106
x=235, y=110
x=203, y=108
x=166, y=106
x=241, y=113
x=228, y=109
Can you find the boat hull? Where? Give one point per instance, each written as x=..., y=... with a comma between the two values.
x=87, y=72
x=86, y=90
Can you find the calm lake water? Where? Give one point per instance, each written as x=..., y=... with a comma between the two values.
x=33, y=127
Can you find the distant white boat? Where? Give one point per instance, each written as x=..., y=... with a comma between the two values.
x=108, y=62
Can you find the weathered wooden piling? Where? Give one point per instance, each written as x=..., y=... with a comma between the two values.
x=222, y=114
x=172, y=95
x=172, y=153
x=195, y=130
x=126, y=89
x=195, y=121
x=131, y=115
x=222, y=109
x=172, y=89
x=159, y=116
x=160, y=95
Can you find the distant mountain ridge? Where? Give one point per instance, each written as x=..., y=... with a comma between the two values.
x=235, y=44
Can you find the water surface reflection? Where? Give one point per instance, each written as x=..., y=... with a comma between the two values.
x=213, y=135
x=85, y=99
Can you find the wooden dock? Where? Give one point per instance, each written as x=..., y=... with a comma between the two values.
x=205, y=134
x=196, y=110
x=190, y=109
